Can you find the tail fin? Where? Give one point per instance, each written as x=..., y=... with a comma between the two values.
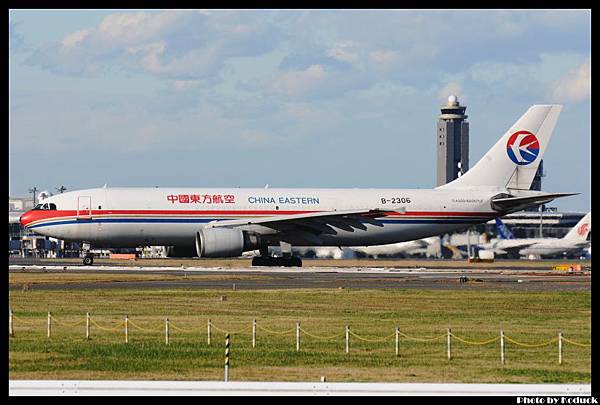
x=581, y=230
x=512, y=162
x=503, y=231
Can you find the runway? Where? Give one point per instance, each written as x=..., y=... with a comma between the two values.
x=240, y=278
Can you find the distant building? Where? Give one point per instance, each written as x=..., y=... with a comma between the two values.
x=19, y=204
x=452, y=142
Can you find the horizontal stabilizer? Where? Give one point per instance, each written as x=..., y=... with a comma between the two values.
x=514, y=204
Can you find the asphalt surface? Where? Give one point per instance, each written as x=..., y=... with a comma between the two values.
x=243, y=278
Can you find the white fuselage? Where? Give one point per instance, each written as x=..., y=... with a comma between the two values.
x=535, y=246
x=553, y=247
x=128, y=217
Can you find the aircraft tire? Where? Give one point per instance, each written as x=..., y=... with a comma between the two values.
x=88, y=260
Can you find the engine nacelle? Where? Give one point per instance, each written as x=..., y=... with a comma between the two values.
x=225, y=242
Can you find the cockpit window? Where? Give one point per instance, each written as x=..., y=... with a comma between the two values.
x=46, y=206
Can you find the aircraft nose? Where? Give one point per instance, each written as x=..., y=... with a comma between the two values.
x=26, y=218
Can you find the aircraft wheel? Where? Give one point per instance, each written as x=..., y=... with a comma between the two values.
x=88, y=260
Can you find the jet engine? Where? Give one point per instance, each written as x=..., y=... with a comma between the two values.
x=225, y=242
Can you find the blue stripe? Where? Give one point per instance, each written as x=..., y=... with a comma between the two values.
x=205, y=220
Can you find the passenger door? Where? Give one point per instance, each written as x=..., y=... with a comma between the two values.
x=84, y=207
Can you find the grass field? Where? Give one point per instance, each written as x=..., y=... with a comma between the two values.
x=528, y=317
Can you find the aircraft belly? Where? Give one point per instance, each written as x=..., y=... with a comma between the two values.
x=132, y=234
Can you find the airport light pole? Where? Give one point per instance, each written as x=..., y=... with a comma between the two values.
x=541, y=219
x=33, y=191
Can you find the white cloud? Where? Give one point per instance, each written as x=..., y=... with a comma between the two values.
x=129, y=28
x=73, y=39
x=345, y=51
x=574, y=86
x=299, y=81
x=173, y=44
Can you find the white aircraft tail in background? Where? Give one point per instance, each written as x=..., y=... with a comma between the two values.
x=580, y=231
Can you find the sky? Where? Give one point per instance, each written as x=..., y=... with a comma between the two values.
x=289, y=98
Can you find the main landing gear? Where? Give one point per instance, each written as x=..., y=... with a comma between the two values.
x=88, y=259
x=287, y=260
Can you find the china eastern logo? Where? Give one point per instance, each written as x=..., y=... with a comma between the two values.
x=522, y=147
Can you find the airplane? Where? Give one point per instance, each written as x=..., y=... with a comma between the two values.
x=404, y=248
x=225, y=222
x=574, y=241
x=353, y=252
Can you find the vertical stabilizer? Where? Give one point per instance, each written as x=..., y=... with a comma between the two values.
x=512, y=162
x=580, y=231
x=503, y=231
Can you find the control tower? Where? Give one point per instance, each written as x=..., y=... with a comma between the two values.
x=452, y=142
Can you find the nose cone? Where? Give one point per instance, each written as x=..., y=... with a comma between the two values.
x=26, y=218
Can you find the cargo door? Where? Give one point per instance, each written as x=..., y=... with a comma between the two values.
x=84, y=207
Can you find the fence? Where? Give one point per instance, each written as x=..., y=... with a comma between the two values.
x=124, y=327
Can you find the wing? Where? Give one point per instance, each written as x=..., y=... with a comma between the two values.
x=311, y=226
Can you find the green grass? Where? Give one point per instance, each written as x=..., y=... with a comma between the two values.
x=530, y=317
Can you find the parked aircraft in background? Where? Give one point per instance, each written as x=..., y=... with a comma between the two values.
x=573, y=242
x=402, y=248
x=225, y=222
x=414, y=247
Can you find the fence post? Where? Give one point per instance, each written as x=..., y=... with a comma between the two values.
x=11, y=331
x=502, y=358
x=347, y=339
x=126, y=329
x=49, y=323
x=87, y=325
x=167, y=331
x=449, y=344
x=227, y=357
x=297, y=336
x=254, y=332
x=208, y=331
x=397, y=341
x=560, y=347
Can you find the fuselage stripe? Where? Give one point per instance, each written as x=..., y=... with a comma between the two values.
x=205, y=220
